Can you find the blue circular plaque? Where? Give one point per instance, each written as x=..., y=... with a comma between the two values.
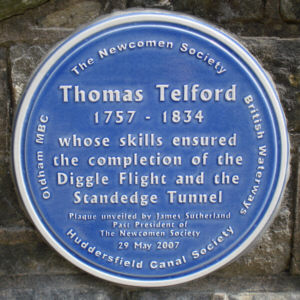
x=150, y=149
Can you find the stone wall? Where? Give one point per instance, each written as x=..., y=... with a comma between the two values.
x=30, y=269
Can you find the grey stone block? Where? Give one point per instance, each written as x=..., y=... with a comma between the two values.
x=69, y=287
x=295, y=263
x=170, y=295
x=24, y=294
x=24, y=59
x=71, y=14
x=271, y=10
x=4, y=105
x=265, y=28
x=113, y=5
x=290, y=10
x=95, y=294
x=10, y=212
x=23, y=28
x=271, y=253
x=10, y=8
x=83, y=286
x=265, y=296
x=280, y=58
x=202, y=295
x=161, y=4
x=219, y=296
x=49, y=23
x=55, y=20
x=26, y=255
x=223, y=11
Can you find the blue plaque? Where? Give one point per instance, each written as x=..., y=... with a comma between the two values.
x=150, y=149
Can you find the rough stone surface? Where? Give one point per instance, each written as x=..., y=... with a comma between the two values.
x=271, y=10
x=22, y=251
x=113, y=5
x=271, y=253
x=265, y=28
x=57, y=287
x=267, y=256
x=54, y=20
x=265, y=296
x=162, y=4
x=73, y=14
x=219, y=296
x=280, y=58
x=49, y=23
x=192, y=295
x=10, y=8
x=24, y=59
x=295, y=264
x=4, y=103
x=247, y=18
x=10, y=31
x=86, y=287
x=11, y=213
x=290, y=10
x=223, y=11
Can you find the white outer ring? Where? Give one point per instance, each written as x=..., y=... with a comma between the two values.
x=142, y=16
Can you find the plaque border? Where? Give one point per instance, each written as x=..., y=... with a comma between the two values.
x=122, y=18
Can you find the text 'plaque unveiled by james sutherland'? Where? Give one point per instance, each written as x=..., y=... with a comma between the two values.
x=150, y=149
